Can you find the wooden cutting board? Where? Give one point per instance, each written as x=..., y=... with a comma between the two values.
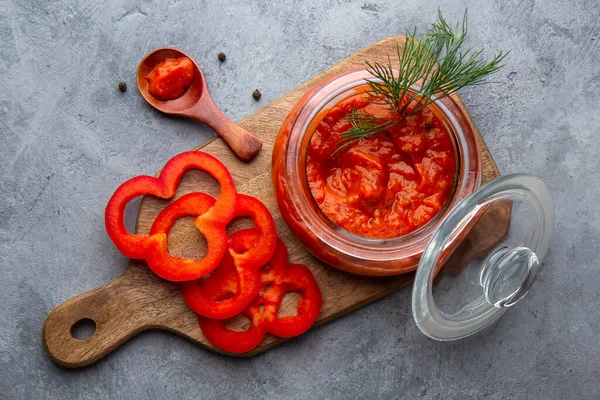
x=139, y=300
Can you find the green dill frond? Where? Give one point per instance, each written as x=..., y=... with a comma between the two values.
x=436, y=61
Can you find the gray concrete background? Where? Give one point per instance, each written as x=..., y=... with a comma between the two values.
x=68, y=138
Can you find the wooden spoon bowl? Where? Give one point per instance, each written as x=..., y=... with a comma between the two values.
x=196, y=103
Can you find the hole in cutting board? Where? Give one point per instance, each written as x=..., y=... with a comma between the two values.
x=239, y=323
x=83, y=329
x=289, y=304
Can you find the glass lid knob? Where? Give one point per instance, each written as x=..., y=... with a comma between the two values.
x=484, y=257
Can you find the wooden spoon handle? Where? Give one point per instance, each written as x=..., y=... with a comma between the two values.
x=119, y=309
x=244, y=144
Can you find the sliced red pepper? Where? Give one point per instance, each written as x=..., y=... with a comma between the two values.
x=229, y=290
x=249, y=250
x=262, y=252
x=189, y=205
x=278, y=278
x=236, y=341
x=298, y=278
x=212, y=218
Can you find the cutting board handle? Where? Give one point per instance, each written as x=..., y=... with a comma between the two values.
x=119, y=310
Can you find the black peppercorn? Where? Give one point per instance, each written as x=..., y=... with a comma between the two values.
x=256, y=94
x=122, y=86
x=221, y=57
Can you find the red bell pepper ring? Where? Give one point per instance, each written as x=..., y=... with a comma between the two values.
x=212, y=217
x=264, y=248
x=236, y=341
x=229, y=290
x=298, y=278
x=278, y=278
x=249, y=250
x=191, y=204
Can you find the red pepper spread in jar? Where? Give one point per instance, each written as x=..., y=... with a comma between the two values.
x=171, y=78
x=385, y=185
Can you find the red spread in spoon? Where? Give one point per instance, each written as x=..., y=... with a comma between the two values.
x=171, y=78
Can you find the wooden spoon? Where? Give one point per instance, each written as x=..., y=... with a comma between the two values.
x=196, y=103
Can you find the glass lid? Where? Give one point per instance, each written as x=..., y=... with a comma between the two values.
x=483, y=258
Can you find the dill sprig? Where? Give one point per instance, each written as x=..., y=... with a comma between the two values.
x=436, y=61
x=360, y=123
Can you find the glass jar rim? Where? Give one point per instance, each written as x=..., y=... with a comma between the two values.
x=380, y=254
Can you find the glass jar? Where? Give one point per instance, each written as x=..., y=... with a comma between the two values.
x=327, y=241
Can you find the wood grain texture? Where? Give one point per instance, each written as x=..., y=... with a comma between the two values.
x=139, y=300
